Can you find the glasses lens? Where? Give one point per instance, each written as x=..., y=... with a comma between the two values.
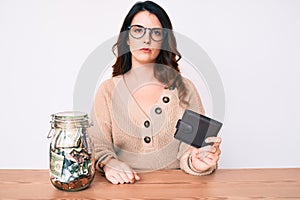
x=157, y=34
x=137, y=31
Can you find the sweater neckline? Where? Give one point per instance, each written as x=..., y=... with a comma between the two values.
x=157, y=102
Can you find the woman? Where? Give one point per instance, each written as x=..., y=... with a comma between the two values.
x=135, y=112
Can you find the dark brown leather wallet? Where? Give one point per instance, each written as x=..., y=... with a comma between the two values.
x=193, y=128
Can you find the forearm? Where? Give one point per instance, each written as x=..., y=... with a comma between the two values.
x=103, y=147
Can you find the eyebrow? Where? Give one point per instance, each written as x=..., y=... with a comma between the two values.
x=144, y=26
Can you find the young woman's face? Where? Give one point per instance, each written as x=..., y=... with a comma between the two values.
x=144, y=50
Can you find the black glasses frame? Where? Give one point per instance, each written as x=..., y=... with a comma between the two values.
x=164, y=32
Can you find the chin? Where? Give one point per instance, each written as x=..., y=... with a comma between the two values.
x=144, y=59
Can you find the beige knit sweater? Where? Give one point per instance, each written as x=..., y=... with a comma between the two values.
x=145, y=142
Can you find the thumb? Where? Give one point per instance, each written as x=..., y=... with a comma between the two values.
x=136, y=176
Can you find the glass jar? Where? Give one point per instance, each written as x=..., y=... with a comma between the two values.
x=71, y=151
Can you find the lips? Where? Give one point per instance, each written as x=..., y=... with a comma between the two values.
x=145, y=50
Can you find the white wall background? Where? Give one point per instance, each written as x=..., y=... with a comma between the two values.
x=255, y=46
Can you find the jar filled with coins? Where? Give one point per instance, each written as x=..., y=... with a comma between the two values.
x=71, y=151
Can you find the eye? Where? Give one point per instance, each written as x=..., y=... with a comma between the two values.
x=157, y=32
x=138, y=30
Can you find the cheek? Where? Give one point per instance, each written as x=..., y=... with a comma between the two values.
x=156, y=48
x=155, y=52
x=156, y=45
x=134, y=44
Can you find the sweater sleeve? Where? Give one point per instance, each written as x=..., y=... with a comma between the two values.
x=195, y=104
x=101, y=131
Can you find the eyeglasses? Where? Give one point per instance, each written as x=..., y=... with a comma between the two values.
x=138, y=31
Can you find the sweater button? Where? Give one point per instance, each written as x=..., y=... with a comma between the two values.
x=166, y=99
x=158, y=110
x=147, y=124
x=147, y=139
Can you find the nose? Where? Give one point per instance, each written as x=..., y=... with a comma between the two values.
x=147, y=38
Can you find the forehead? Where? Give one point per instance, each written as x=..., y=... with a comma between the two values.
x=146, y=19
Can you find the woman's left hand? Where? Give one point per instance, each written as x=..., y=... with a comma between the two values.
x=206, y=157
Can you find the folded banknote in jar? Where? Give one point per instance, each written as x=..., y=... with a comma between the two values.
x=193, y=128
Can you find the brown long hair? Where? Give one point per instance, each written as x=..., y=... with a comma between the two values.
x=166, y=68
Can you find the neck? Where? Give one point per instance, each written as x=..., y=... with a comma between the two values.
x=142, y=73
x=139, y=76
x=137, y=64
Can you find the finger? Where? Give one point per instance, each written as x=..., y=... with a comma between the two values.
x=200, y=155
x=136, y=176
x=119, y=178
x=213, y=140
x=213, y=149
x=210, y=162
x=218, y=152
x=196, y=161
x=128, y=172
x=205, y=148
x=130, y=176
x=216, y=149
x=202, y=150
x=213, y=158
x=112, y=179
x=124, y=177
x=217, y=144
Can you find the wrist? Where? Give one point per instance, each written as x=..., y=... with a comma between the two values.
x=101, y=165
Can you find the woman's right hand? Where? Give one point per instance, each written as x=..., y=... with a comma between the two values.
x=118, y=172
